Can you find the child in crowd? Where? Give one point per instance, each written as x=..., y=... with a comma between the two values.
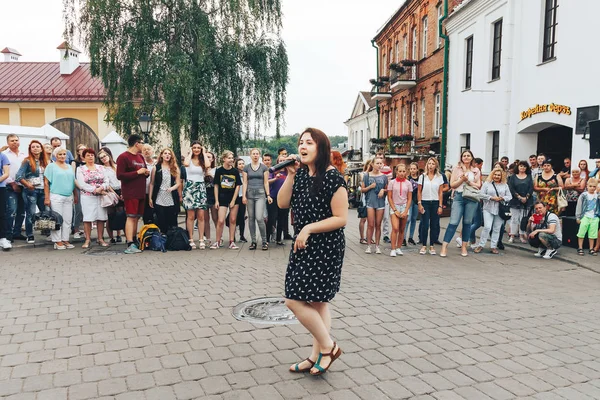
x=399, y=198
x=588, y=215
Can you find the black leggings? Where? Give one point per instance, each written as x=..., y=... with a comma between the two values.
x=241, y=218
x=277, y=217
x=166, y=217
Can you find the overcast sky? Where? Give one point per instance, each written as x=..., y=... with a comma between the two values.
x=328, y=43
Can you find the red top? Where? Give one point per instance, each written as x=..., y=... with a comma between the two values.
x=133, y=185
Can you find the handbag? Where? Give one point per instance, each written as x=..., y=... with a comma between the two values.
x=561, y=199
x=362, y=209
x=470, y=193
x=47, y=220
x=525, y=220
x=503, y=207
x=109, y=199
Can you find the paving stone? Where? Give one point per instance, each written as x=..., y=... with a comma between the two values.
x=111, y=387
x=394, y=390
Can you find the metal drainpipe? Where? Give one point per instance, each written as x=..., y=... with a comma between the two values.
x=445, y=87
x=377, y=88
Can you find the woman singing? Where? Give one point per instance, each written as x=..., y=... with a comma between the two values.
x=319, y=200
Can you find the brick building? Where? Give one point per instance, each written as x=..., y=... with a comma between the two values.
x=411, y=60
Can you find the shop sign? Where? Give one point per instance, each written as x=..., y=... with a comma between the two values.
x=542, y=108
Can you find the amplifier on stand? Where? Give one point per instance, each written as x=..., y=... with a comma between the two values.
x=569, y=232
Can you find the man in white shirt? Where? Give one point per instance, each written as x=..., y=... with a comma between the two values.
x=545, y=231
x=15, y=206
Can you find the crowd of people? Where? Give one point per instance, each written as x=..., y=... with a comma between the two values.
x=524, y=200
x=87, y=189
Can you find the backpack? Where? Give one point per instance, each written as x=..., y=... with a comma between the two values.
x=157, y=242
x=145, y=235
x=178, y=239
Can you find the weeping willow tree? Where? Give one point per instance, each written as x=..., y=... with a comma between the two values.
x=212, y=70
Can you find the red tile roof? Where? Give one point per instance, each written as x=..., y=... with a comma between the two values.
x=65, y=45
x=42, y=81
x=8, y=50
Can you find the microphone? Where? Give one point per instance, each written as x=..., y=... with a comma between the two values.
x=284, y=164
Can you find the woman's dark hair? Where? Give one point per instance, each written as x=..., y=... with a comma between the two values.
x=237, y=161
x=463, y=153
x=200, y=156
x=214, y=160
x=87, y=151
x=323, y=159
x=106, y=150
x=526, y=165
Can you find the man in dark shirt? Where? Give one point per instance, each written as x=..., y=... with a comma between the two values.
x=132, y=172
x=566, y=171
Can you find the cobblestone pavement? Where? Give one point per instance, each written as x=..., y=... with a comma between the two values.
x=159, y=326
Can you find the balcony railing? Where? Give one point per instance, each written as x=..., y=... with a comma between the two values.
x=403, y=77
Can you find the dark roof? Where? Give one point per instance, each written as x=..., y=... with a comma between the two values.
x=368, y=97
x=42, y=81
x=8, y=50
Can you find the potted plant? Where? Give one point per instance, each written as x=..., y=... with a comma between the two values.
x=408, y=63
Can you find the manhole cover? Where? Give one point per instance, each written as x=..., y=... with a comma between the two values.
x=103, y=252
x=268, y=310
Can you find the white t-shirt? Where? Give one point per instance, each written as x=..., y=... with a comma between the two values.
x=15, y=163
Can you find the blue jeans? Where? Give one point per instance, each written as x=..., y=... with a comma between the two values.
x=429, y=218
x=461, y=209
x=493, y=224
x=476, y=222
x=15, y=213
x=32, y=198
x=412, y=220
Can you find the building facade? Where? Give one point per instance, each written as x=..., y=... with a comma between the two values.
x=410, y=84
x=362, y=126
x=63, y=94
x=520, y=82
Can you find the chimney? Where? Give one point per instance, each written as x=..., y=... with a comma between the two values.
x=69, y=58
x=10, y=55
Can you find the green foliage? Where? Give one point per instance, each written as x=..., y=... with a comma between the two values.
x=210, y=69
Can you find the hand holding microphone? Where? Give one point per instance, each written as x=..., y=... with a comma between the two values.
x=287, y=163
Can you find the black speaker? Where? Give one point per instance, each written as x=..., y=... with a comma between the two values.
x=569, y=232
x=594, y=131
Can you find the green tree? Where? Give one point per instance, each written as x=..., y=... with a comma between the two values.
x=211, y=69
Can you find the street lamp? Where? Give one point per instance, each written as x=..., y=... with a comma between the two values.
x=145, y=123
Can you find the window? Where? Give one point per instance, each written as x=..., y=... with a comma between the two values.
x=403, y=120
x=439, y=16
x=549, y=29
x=425, y=29
x=397, y=52
x=437, y=118
x=497, y=50
x=396, y=122
x=466, y=142
x=384, y=67
x=469, y=63
x=415, y=56
x=389, y=123
x=495, y=146
x=422, y=121
x=413, y=118
x=405, y=47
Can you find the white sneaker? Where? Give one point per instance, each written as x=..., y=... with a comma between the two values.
x=5, y=244
x=474, y=246
x=76, y=235
x=511, y=239
x=550, y=253
x=377, y=250
x=399, y=252
x=393, y=253
x=368, y=250
x=458, y=242
x=539, y=253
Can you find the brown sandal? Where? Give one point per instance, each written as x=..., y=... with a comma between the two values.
x=332, y=355
x=297, y=366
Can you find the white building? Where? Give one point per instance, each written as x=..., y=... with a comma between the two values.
x=521, y=79
x=362, y=125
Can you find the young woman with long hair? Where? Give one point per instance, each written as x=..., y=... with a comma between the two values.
x=110, y=171
x=194, y=192
x=399, y=192
x=430, y=198
x=93, y=183
x=241, y=209
x=164, y=197
x=583, y=167
x=209, y=179
x=227, y=187
x=363, y=221
x=60, y=194
x=31, y=176
x=521, y=190
x=255, y=193
x=463, y=174
x=493, y=191
x=374, y=187
x=413, y=211
x=317, y=194
x=338, y=162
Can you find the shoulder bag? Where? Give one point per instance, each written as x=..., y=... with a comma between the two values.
x=561, y=199
x=470, y=193
x=503, y=207
x=362, y=209
x=109, y=199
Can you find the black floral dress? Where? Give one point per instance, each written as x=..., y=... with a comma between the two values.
x=314, y=273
